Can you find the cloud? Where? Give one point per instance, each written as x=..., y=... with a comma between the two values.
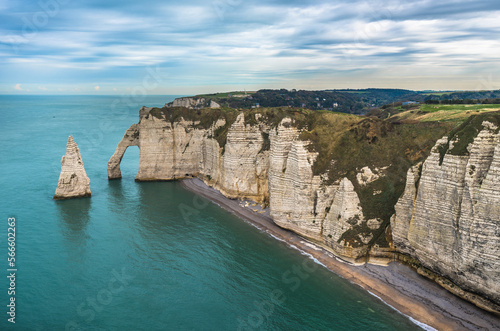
x=42, y=88
x=258, y=42
x=18, y=87
x=97, y=88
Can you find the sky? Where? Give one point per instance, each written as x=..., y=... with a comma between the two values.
x=190, y=47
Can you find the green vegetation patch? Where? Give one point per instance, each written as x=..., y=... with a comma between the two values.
x=379, y=144
x=347, y=143
x=205, y=117
x=431, y=112
x=438, y=93
x=302, y=118
x=461, y=108
x=266, y=145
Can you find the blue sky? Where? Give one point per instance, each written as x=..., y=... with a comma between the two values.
x=188, y=47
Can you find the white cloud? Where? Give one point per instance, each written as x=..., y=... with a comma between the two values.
x=42, y=88
x=265, y=42
x=18, y=87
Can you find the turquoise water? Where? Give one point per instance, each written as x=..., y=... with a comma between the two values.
x=145, y=256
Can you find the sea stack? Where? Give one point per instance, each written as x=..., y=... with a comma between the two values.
x=73, y=181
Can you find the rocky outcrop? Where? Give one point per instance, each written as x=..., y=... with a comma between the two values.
x=193, y=103
x=448, y=219
x=366, y=176
x=405, y=208
x=73, y=180
x=245, y=162
x=213, y=104
x=292, y=185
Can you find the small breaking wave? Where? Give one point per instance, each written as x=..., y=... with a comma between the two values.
x=414, y=321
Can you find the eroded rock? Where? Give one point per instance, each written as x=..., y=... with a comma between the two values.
x=448, y=219
x=73, y=180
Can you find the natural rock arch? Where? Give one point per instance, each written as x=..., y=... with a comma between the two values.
x=131, y=138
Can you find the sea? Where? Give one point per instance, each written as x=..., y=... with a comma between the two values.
x=143, y=256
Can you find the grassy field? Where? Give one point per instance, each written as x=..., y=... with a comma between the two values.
x=433, y=113
x=439, y=93
x=353, y=92
x=481, y=107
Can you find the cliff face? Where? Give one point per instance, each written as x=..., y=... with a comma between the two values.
x=250, y=157
x=180, y=149
x=335, y=180
x=193, y=103
x=302, y=202
x=448, y=219
x=73, y=180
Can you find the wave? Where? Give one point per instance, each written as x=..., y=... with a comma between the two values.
x=414, y=321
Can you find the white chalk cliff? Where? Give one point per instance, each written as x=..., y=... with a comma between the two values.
x=446, y=224
x=73, y=180
x=448, y=219
x=193, y=103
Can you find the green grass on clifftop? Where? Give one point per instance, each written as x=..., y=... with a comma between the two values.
x=347, y=144
x=433, y=113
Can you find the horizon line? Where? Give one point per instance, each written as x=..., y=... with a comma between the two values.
x=276, y=89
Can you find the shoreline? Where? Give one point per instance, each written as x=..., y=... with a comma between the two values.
x=424, y=302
